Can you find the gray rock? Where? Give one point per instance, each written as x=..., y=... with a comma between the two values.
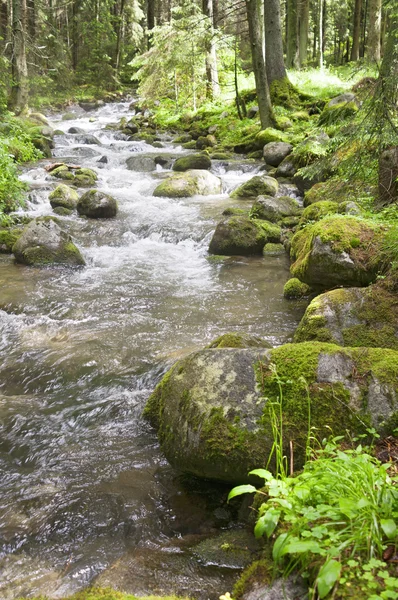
x=258, y=185
x=97, y=205
x=76, y=130
x=191, y=183
x=43, y=243
x=87, y=138
x=141, y=162
x=238, y=236
x=286, y=168
x=252, y=112
x=212, y=414
x=274, y=209
x=192, y=161
x=292, y=588
x=275, y=152
x=347, y=97
x=64, y=196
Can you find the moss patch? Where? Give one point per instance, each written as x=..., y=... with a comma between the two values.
x=108, y=594
x=295, y=289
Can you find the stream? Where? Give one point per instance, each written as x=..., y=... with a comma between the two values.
x=83, y=481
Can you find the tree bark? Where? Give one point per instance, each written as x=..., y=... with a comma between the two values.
x=303, y=16
x=151, y=8
x=374, y=33
x=20, y=86
x=292, y=60
x=213, y=85
x=356, y=30
x=273, y=42
x=257, y=52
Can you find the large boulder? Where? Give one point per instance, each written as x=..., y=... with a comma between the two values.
x=64, y=196
x=141, y=162
x=274, y=209
x=97, y=205
x=188, y=184
x=192, y=161
x=242, y=236
x=213, y=409
x=275, y=152
x=44, y=243
x=337, y=251
x=287, y=167
x=339, y=108
x=352, y=317
x=259, y=185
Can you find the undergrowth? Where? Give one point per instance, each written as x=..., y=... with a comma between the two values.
x=334, y=522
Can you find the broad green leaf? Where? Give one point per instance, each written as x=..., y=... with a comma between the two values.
x=241, y=489
x=267, y=523
x=389, y=527
x=299, y=546
x=263, y=473
x=301, y=492
x=348, y=507
x=327, y=577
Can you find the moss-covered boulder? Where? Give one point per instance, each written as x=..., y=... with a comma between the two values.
x=213, y=409
x=97, y=205
x=316, y=212
x=64, y=196
x=337, y=251
x=352, y=317
x=268, y=135
x=240, y=236
x=188, y=184
x=295, y=289
x=273, y=249
x=238, y=340
x=43, y=243
x=75, y=176
x=274, y=209
x=192, y=161
x=8, y=237
x=339, y=109
x=287, y=168
x=275, y=152
x=259, y=185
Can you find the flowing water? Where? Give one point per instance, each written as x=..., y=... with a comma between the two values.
x=82, y=478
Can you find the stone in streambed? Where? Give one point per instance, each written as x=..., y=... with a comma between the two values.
x=338, y=251
x=64, y=196
x=43, y=243
x=141, y=162
x=97, y=205
x=275, y=152
x=242, y=236
x=188, y=184
x=192, y=161
x=212, y=409
x=259, y=185
x=275, y=209
x=352, y=317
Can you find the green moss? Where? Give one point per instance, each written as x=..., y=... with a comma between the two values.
x=8, y=237
x=259, y=571
x=240, y=235
x=295, y=289
x=192, y=161
x=359, y=238
x=337, y=113
x=63, y=196
x=256, y=186
x=235, y=212
x=272, y=231
x=182, y=186
x=283, y=93
x=108, y=594
x=265, y=136
x=316, y=212
x=237, y=340
x=272, y=249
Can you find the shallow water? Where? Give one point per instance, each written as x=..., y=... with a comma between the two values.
x=81, y=475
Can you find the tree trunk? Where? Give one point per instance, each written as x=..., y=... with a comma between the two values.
x=257, y=52
x=385, y=102
x=356, y=30
x=75, y=34
x=374, y=33
x=321, y=34
x=292, y=41
x=20, y=87
x=213, y=86
x=150, y=17
x=302, y=27
x=273, y=42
